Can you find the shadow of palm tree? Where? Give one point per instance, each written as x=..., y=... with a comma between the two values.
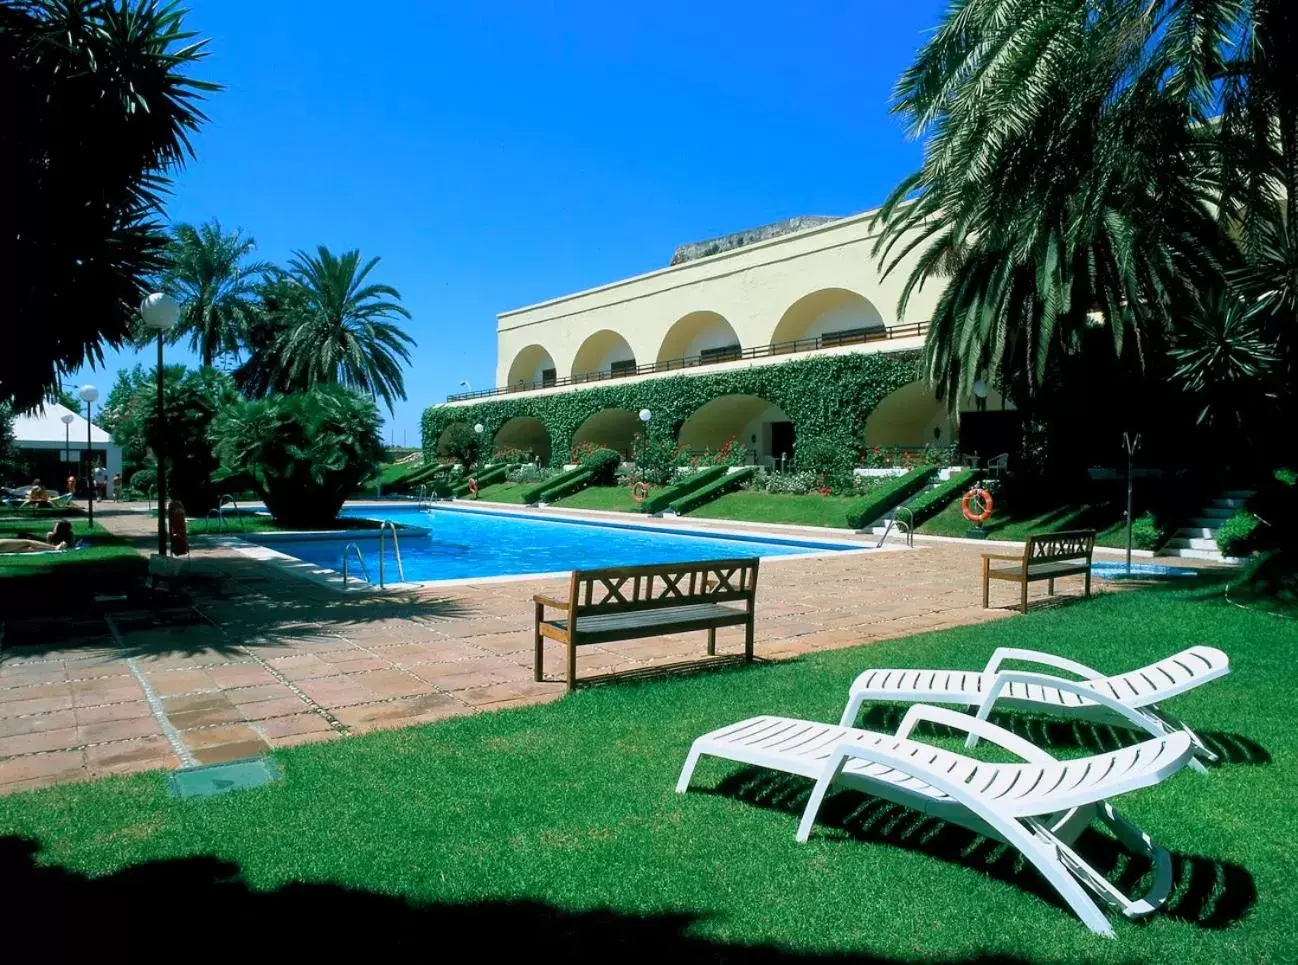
x=1208, y=893
x=175, y=904
x=1056, y=733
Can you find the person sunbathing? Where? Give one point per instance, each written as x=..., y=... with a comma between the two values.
x=38, y=495
x=59, y=538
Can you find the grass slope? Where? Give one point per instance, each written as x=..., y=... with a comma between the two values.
x=557, y=826
x=505, y=492
x=612, y=498
x=812, y=509
x=1004, y=524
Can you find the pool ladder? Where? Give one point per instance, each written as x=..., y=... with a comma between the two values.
x=219, y=512
x=906, y=526
x=396, y=549
x=360, y=558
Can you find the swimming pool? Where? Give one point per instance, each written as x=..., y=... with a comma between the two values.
x=1116, y=570
x=456, y=544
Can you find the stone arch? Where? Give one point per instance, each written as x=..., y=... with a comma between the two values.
x=836, y=315
x=526, y=433
x=614, y=429
x=706, y=334
x=602, y=355
x=911, y=416
x=762, y=428
x=532, y=365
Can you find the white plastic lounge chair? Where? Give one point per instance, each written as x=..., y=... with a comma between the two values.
x=1139, y=690
x=1039, y=807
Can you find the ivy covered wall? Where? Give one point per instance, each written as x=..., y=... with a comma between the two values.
x=828, y=398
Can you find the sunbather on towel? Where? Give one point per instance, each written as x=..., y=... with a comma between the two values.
x=59, y=538
x=38, y=495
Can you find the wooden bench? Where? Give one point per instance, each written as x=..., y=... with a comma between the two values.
x=630, y=602
x=1047, y=556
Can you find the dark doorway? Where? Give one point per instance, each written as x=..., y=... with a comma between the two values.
x=783, y=436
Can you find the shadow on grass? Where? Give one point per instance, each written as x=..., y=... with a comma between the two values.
x=202, y=901
x=1208, y=893
x=1053, y=733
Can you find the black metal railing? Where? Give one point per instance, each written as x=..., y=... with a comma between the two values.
x=694, y=361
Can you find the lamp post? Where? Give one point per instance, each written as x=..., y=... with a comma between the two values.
x=88, y=395
x=67, y=442
x=159, y=312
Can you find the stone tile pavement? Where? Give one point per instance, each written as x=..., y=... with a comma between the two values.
x=259, y=659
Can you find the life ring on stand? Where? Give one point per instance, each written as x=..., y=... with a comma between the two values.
x=981, y=498
x=473, y=487
x=639, y=491
x=179, y=528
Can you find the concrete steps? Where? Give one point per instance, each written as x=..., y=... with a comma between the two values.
x=1198, y=539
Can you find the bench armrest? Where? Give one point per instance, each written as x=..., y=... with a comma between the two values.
x=1002, y=556
x=551, y=601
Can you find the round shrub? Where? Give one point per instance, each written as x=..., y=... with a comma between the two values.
x=1235, y=537
x=303, y=452
x=145, y=481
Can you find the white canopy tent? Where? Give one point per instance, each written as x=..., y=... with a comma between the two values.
x=43, y=431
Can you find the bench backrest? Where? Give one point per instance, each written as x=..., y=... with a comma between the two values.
x=625, y=589
x=1066, y=545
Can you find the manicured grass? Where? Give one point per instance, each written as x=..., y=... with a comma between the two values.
x=506, y=492
x=757, y=507
x=557, y=826
x=1004, y=524
x=249, y=522
x=613, y=498
x=33, y=583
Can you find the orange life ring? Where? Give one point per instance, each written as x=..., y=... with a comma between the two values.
x=179, y=532
x=984, y=499
x=473, y=486
x=639, y=491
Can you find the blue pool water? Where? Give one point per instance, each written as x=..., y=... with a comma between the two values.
x=1113, y=570
x=454, y=544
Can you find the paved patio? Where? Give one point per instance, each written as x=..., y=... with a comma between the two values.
x=260, y=659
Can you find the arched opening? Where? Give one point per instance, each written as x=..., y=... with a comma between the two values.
x=612, y=428
x=532, y=366
x=911, y=417
x=525, y=435
x=699, y=337
x=603, y=355
x=836, y=316
x=761, y=428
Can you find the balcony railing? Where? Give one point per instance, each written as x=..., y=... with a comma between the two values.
x=694, y=361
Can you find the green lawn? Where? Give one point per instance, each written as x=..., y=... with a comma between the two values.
x=756, y=507
x=614, y=498
x=37, y=582
x=556, y=828
x=506, y=492
x=250, y=522
x=1005, y=524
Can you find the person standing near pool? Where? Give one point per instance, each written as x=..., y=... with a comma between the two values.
x=71, y=483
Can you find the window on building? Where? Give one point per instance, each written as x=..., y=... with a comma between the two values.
x=719, y=354
x=547, y=377
x=623, y=367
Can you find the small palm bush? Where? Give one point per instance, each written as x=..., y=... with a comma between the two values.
x=303, y=452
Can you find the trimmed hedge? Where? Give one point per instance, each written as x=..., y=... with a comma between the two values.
x=536, y=493
x=881, y=500
x=705, y=494
x=488, y=477
x=934, y=499
x=576, y=484
x=664, y=498
x=1235, y=536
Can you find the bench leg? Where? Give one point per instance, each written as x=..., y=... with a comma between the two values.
x=712, y=641
x=572, y=665
x=1088, y=581
x=986, y=581
x=539, y=644
x=748, y=638
x=1050, y=587
x=1024, y=597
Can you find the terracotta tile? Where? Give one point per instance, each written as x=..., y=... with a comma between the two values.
x=167, y=683
x=278, y=707
x=34, y=705
x=128, y=710
x=461, y=681
x=393, y=712
x=33, y=690
x=118, y=730
x=112, y=691
x=289, y=726
x=129, y=756
x=293, y=740
x=251, y=695
x=241, y=675
x=236, y=750
x=55, y=720
x=338, y=691
x=200, y=711
x=390, y=683
x=213, y=736
x=42, y=767
x=44, y=740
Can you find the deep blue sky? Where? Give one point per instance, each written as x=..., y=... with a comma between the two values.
x=496, y=154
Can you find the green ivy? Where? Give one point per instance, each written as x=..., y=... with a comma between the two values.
x=827, y=398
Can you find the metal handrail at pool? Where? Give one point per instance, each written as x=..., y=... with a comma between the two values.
x=360, y=557
x=396, y=548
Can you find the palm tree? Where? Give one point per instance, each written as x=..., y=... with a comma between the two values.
x=1064, y=187
x=209, y=273
x=334, y=327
